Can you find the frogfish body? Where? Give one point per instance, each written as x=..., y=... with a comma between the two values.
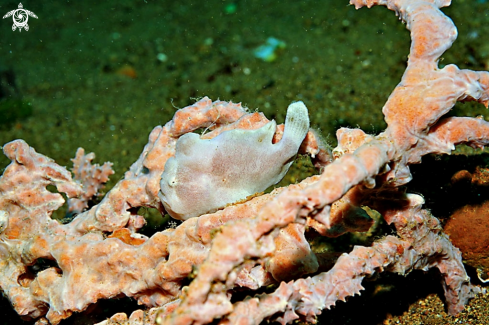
x=205, y=175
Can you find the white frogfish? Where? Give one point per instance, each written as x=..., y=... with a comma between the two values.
x=206, y=175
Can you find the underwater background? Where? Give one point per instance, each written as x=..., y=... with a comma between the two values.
x=101, y=74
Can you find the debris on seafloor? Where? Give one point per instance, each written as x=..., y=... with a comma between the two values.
x=268, y=51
